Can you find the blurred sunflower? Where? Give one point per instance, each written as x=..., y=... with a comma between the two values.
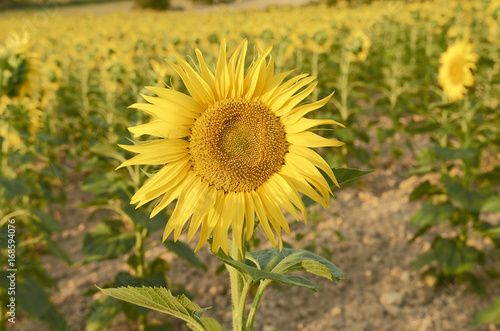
x=235, y=148
x=456, y=68
x=358, y=44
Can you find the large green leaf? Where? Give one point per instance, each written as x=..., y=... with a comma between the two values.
x=14, y=187
x=472, y=200
x=456, y=154
x=162, y=300
x=296, y=260
x=490, y=314
x=425, y=188
x=55, y=319
x=32, y=298
x=107, y=241
x=47, y=222
x=257, y=274
x=56, y=250
x=453, y=258
x=431, y=214
x=185, y=252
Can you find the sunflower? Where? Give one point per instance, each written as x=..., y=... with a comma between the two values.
x=358, y=44
x=235, y=148
x=456, y=68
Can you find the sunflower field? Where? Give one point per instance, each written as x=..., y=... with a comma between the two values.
x=416, y=90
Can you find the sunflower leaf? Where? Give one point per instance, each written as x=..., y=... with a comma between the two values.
x=345, y=175
x=257, y=274
x=162, y=300
x=490, y=314
x=296, y=260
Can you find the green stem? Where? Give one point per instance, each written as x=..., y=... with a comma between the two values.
x=255, y=303
x=314, y=72
x=140, y=235
x=5, y=147
x=344, y=85
x=2, y=319
x=237, y=289
x=142, y=324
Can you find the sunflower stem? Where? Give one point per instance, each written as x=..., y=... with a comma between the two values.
x=238, y=294
x=255, y=303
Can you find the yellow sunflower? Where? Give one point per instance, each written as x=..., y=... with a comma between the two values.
x=358, y=44
x=235, y=148
x=456, y=68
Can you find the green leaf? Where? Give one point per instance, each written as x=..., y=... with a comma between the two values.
x=56, y=250
x=472, y=200
x=476, y=283
x=32, y=298
x=423, y=230
x=491, y=205
x=140, y=216
x=425, y=188
x=423, y=259
x=296, y=260
x=185, y=252
x=101, y=313
x=490, y=314
x=383, y=134
x=456, y=154
x=431, y=214
x=55, y=319
x=345, y=175
x=46, y=221
x=256, y=274
x=492, y=177
x=106, y=241
x=106, y=183
x=14, y=187
x=453, y=258
x=162, y=300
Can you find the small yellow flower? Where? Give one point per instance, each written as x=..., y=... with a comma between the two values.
x=235, y=148
x=455, y=73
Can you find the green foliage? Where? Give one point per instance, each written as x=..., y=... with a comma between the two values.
x=162, y=300
x=490, y=314
x=153, y=4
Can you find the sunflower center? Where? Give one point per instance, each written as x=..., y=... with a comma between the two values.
x=237, y=144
